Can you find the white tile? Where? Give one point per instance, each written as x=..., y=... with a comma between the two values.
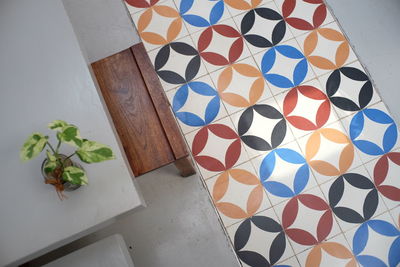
x=336, y=245
x=307, y=219
x=239, y=191
x=220, y=44
x=284, y=172
x=377, y=245
x=133, y=7
x=371, y=131
x=284, y=66
x=396, y=216
x=237, y=7
x=262, y=27
x=349, y=88
x=262, y=127
x=196, y=103
x=203, y=9
x=304, y=10
x=352, y=198
x=261, y=241
x=330, y=152
x=159, y=24
x=327, y=49
x=177, y=63
x=390, y=174
x=307, y=108
x=217, y=148
x=245, y=81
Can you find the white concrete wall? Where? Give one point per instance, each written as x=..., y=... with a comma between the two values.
x=373, y=29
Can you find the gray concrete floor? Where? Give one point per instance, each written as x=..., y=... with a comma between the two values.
x=179, y=226
x=373, y=29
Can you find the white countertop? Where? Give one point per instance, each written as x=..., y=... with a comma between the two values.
x=44, y=76
x=103, y=27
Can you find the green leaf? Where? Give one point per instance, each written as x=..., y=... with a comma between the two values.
x=75, y=175
x=70, y=135
x=91, y=152
x=33, y=146
x=50, y=156
x=51, y=163
x=57, y=125
x=50, y=166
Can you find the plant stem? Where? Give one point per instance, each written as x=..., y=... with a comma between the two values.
x=56, y=155
x=52, y=149
x=69, y=156
x=58, y=146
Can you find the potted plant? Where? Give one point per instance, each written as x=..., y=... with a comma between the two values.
x=58, y=169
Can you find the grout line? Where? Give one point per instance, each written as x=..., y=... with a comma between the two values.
x=250, y=158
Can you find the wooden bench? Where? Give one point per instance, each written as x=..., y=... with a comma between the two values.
x=141, y=112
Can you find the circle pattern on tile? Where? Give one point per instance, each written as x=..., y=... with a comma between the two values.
x=255, y=91
x=184, y=50
x=232, y=153
x=277, y=79
x=243, y=234
x=300, y=179
x=230, y=209
x=247, y=24
x=360, y=241
x=342, y=51
x=242, y=4
x=301, y=236
x=381, y=172
x=142, y=3
x=174, y=27
x=333, y=86
x=358, y=127
x=334, y=249
x=359, y=181
x=235, y=50
x=215, y=14
x=299, y=23
x=250, y=138
x=346, y=155
x=211, y=109
x=291, y=101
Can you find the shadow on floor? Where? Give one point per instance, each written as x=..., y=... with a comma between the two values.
x=179, y=226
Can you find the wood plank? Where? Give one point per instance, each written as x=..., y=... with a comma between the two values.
x=133, y=113
x=154, y=87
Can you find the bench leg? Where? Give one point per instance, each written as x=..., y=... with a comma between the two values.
x=185, y=166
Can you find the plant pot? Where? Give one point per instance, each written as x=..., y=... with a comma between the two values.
x=67, y=185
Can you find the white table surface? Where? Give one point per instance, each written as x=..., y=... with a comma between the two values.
x=108, y=252
x=44, y=76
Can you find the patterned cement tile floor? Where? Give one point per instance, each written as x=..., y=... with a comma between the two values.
x=295, y=145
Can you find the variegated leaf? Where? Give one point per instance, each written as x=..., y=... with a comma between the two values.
x=50, y=156
x=57, y=125
x=70, y=135
x=50, y=166
x=75, y=175
x=91, y=152
x=33, y=146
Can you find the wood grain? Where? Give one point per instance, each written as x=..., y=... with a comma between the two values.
x=133, y=113
x=160, y=101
